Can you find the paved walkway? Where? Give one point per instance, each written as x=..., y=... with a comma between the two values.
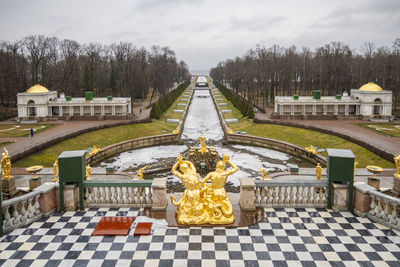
x=63, y=129
x=285, y=237
x=346, y=127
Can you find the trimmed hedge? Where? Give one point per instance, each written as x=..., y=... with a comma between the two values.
x=244, y=106
x=162, y=104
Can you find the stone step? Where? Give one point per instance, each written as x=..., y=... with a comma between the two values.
x=226, y=111
x=222, y=104
x=181, y=104
x=178, y=111
x=232, y=120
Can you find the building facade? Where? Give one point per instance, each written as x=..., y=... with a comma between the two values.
x=368, y=102
x=40, y=103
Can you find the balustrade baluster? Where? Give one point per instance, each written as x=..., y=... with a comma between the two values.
x=130, y=199
x=37, y=206
x=125, y=195
x=141, y=196
x=135, y=196
x=386, y=211
x=30, y=211
x=257, y=199
x=88, y=195
x=274, y=195
x=378, y=208
x=298, y=200
x=309, y=200
x=372, y=210
x=7, y=218
x=291, y=201
x=393, y=220
x=149, y=196
x=303, y=195
x=286, y=199
x=23, y=212
x=315, y=196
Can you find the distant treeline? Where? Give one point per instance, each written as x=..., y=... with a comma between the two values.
x=119, y=69
x=262, y=73
x=162, y=104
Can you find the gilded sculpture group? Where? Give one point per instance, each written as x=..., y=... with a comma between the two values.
x=208, y=204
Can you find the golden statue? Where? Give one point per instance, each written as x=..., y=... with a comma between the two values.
x=355, y=167
x=211, y=204
x=55, y=171
x=213, y=151
x=203, y=149
x=88, y=172
x=140, y=173
x=311, y=149
x=189, y=207
x=215, y=199
x=176, y=131
x=318, y=171
x=264, y=173
x=94, y=150
x=191, y=151
x=230, y=131
x=397, y=162
x=5, y=165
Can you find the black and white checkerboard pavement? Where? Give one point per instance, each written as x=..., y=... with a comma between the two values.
x=286, y=237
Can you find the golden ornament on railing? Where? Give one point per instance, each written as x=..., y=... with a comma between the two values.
x=311, y=149
x=55, y=171
x=318, y=171
x=264, y=173
x=397, y=162
x=94, y=150
x=88, y=172
x=139, y=173
x=5, y=165
x=211, y=203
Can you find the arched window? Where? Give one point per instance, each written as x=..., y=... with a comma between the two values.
x=378, y=106
x=31, y=108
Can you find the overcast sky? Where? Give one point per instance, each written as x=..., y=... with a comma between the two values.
x=204, y=32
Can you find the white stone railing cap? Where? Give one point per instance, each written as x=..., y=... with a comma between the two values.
x=247, y=182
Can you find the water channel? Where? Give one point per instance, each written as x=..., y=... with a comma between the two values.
x=202, y=118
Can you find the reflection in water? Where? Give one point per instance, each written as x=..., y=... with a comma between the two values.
x=203, y=118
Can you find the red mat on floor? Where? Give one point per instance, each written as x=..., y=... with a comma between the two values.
x=143, y=228
x=113, y=226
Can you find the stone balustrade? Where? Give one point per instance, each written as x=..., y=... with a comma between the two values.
x=294, y=193
x=20, y=211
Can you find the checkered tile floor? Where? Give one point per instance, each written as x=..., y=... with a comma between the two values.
x=286, y=237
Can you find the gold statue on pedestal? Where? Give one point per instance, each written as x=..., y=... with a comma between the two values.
x=88, y=172
x=397, y=162
x=203, y=149
x=318, y=171
x=55, y=171
x=211, y=203
x=5, y=165
x=264, y=173
x=139, y=173
x=355, y=167
x=94, y=150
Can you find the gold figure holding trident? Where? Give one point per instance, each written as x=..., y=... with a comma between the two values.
x=5, y=165
x=55, y=171
x=203, y=149
x=140, y=173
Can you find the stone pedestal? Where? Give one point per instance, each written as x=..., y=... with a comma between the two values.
x=396, y=183
x=71, y=197
x=48, y=199
x=247, y=196
x=340, y=196
x=8, y=185
x=159, y=187
x=362, y=199
x=34, y=182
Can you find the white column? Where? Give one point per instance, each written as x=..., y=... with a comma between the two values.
x=292, y=109
x=71, y=111
x=335, y=110
x=102, y=110
x=357, y=109
x=81, y=110
x=346, y=110
x=314, y=109
x=92, y=110
x=303, y=110
x=325, y=108
x=129, y=107
x=113, y=110
x=60, y=108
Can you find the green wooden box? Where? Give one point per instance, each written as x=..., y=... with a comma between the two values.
x=316, y=94
x=340, y=168
x=71, y=166
x=340, y=165
x=88, y=96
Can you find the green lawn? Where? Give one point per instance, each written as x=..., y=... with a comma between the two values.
x=302, y=137
x=387, y=129
x=169, y=114
x=21, y=130
x=100, y=138
x=4, y=143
